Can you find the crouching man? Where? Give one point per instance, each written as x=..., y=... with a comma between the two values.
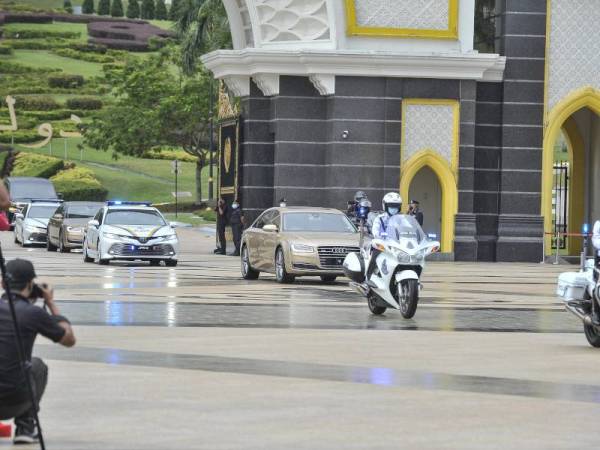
x=33, y=320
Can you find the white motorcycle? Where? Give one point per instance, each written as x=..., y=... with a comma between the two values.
x=400, y=259
x=580, y=293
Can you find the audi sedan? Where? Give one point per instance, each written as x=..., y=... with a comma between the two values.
x=66, y=226
x=298, y=241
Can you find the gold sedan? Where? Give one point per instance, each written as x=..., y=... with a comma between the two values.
x=298, y=241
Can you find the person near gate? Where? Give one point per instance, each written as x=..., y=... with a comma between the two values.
x=222, y=211
x=414, y=210
x=236, y=220
x=15, y=401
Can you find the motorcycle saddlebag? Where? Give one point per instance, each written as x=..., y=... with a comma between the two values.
x=572, y=286
x=354, y=267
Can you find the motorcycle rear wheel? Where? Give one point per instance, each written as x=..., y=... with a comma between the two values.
x=409, y=298
x=373, y=307
x=593, y=335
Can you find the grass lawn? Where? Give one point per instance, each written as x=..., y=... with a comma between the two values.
x=46, y=59
x=129, y=178
x=188, y=218
x=80, y=28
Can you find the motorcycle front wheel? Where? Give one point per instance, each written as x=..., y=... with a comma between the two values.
x=408, y=294
x=373, y=307
x=592, y=335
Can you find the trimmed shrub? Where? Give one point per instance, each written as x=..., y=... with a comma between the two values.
x=6, y=50
x=147, y=9
x=41, y=34
x=133, y=9
x=15, y=17
x=116, y=9
x=89, y=48
x=45, y=116
x=79, y=183
x=35, y=103
x=35, y=165
x=20, y=137
x=83, y=56
x=122, y=44
x=65, y=81
x=104, y=7
x=170, y=155
x=173, y=11
x=87, y=7
x=85, y=103
x=207, y=214
x=8, y=68
x=161, y=10
x=68, y=6
x=38, y=44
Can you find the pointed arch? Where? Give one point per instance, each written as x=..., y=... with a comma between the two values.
x=447, y=180
x=560, y=117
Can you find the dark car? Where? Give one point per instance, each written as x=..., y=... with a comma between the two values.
x=66, y=227
x=24, y=189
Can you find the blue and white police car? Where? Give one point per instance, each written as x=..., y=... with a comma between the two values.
x=129, y=231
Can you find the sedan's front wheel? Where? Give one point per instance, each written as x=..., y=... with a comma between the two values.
x=61, y=244
x=86, y=258
x=248, y=273
x=280, y=271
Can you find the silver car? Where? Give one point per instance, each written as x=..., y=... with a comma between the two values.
x=31, y=224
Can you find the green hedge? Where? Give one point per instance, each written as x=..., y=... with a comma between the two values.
x=6, y=50
x=36, y=103
x=207, y=214
x=79, y=184
x=83, y=56
x=20, y=137
x=34, y=165
x=58, y=114
x=87, y=103
x=40, y=34
x=9, y=67
x=37, y=44
x=65, y=81
x=170, y=155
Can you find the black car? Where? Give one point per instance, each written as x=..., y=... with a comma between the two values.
x=24, y=189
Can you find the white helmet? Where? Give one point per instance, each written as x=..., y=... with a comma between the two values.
x=392, y=200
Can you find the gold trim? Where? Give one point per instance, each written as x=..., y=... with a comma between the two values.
x=447, y=173
x=227, y=109
x=354, y=29
x=227, y=190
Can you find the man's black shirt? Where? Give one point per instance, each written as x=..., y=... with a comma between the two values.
x=32, y=320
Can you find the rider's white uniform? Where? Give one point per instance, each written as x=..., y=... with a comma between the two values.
x=380, y=225
x=596, y=236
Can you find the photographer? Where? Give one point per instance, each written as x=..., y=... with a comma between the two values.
x=14, y=398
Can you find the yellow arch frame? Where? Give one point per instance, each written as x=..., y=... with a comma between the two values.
x=354, y=29
x=576, y=149
x=448, y=183
x=558, y=119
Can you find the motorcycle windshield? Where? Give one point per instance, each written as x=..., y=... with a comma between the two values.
x=403, y=226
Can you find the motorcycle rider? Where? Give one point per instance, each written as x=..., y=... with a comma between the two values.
x=596, y=244
x=392, y=205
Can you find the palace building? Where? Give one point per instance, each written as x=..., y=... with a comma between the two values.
x=389, y=95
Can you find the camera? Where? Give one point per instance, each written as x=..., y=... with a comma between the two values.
x=37, y=291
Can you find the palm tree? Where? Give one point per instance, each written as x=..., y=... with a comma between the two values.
x=202, y=26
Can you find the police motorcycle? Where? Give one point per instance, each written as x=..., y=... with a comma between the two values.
x=400, y=260
x=580, y=292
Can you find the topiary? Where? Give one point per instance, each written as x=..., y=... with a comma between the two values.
x=133, y=9
x=174, y=10
x=87, y=7
x=116, y=9
x=161, y=10
x=85, y=103
x=148, y=9
x=104, y=7
x=67, y=6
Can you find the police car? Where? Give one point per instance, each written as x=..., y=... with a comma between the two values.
x=129, y=231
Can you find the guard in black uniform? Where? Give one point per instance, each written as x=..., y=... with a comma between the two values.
x=236, y=220
x=222, y=211
x=413, y=210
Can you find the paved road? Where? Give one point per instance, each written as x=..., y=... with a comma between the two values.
x=195, y=357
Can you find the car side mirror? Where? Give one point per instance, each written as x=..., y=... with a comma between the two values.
x=271, y=228
x=173, y=224
x=93, y=223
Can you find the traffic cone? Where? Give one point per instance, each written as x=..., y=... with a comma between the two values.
x=5, y=430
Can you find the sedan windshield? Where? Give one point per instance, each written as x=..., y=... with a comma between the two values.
x=27, y=189
x=41, y=212
x=82, y=211
x=131, y=217
x=317, y=222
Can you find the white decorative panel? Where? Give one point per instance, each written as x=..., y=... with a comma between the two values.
x=293, y=20
x=429, y=127
x=574, y=56
x=414, y=14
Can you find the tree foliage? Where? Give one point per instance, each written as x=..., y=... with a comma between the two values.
x=147, y=9
x=68, y=6
x=116, y=9
x=104, y=7
x=173, y=10
x=202, y=26
x=153, y=109
x=133, y=9
x=161, y=10
x=87, y=7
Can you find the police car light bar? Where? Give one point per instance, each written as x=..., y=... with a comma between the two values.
x=126, y=203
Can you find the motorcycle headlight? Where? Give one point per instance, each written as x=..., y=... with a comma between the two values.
x=400, y=255
x=301, y=248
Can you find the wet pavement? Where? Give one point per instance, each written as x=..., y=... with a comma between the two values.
x=196, y=357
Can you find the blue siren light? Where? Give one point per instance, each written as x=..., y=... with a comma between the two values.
x=585, y=229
